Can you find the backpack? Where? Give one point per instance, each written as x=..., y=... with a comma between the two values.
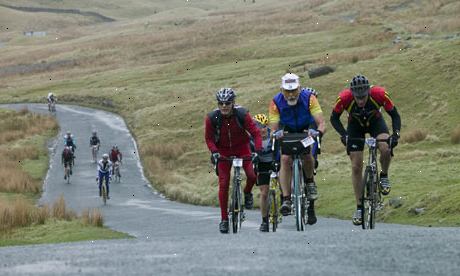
x=216, y=120
x=67, y=154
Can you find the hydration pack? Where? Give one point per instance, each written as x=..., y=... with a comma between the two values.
x=216, y=120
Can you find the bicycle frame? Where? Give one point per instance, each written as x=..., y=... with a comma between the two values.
x=236, y=209
x=298, y=195
x=67, y=172
x=370, y=197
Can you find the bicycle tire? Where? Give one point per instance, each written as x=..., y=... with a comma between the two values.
x=297, y=197
x=272, y=211
x=104, y=192
x=373, y=201
x=234, y=210
x=366, y=199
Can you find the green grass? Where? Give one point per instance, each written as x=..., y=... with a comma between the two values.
x=162, y=77
x=57, y=231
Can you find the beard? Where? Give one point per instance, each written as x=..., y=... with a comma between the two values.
x=292, y=101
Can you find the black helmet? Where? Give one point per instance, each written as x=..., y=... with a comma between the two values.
x=359, y=86
x=225, y=95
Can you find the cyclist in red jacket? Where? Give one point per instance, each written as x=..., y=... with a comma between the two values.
x=226, y=134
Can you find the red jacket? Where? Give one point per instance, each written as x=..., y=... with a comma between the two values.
x=233, y=139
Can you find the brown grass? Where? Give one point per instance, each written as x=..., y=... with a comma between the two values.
x=92, y=217
x=21, y=213
x=413, y=136
x=14, y=126
x=455, y=135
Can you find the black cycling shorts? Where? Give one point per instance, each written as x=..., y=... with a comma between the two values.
x=263, y=173
x=355, y=130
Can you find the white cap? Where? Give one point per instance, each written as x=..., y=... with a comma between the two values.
x=290, y=81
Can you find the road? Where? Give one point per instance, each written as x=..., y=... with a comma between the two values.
x=179, y=239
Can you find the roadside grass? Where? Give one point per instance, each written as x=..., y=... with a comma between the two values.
x=24, y=162
x=160, y=73
x=57, y=231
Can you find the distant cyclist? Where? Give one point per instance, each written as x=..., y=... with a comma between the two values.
x=67, y=160
x=94, y=144
x=363, y=102
x=51, y=100
x=69, y=141
x=104, y=171
x=115, y=157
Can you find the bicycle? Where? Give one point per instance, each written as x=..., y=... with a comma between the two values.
x=371, y=197
x=116, y=171
x=295, y=145
x=236, y=209
x=94, y=151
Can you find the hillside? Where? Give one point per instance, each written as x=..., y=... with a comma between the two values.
x=160, y=64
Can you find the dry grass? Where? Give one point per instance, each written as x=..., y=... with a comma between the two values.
x=21, y=213
x=92, y=217
x=15, y=126
x=455, y=135
x=413, y=136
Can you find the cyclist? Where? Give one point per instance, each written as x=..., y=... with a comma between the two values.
x=67, y=160
x=51, y=99
x=265, y=164
x=363, y=103
x=226, y=134
x=115, y=157
x=294, y=110
x=69, y=141
x=104, y=170
x=94, y=141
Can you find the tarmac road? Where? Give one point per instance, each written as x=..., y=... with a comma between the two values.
x=180, y=239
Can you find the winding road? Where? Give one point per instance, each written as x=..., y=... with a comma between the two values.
x=179, y=239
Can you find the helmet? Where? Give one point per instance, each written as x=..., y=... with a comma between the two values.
x=312, y=91
x=261, y=118
x=115, y=147
x=105, y=156
x=50, y=94
x=94, y=132
x=225, y=95
x=68, y=132
x=359, y=86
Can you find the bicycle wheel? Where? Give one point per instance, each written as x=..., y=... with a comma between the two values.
x=366, y=200
x=373, y=200
x=297, y=196
x=272, y=210
x=104, y=192
x=234, y=209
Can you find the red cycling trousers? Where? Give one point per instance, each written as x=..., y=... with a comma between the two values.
x=224, y=168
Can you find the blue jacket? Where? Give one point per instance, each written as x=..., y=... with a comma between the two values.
x=294, y=118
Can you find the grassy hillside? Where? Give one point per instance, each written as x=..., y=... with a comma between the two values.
x=161, y=71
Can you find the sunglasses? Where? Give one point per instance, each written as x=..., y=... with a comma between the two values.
x=225, y=103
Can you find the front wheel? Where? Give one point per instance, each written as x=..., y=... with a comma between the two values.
x=298, y=199
x=368, y=200
x=235, y=209
x=104, y=192
x=273, y=210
